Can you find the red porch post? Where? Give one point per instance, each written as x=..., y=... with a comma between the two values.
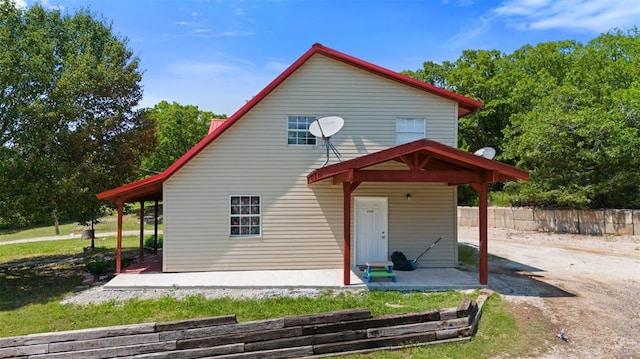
x=482, y=219
x=346, y=226
x=141, y=231
x=155, y=228
x=119, y=238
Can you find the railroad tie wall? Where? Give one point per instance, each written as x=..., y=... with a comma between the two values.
x=324, y=334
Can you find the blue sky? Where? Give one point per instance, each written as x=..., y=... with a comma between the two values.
x=218, y=54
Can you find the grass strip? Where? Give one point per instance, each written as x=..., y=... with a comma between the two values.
x=35, y=277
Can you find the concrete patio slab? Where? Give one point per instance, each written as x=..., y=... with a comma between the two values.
x=431, y=279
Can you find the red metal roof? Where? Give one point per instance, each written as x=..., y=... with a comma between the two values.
x=149, y=187
x=215, y=123
x=427, y=161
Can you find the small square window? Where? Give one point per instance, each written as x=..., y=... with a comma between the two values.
x=244, y=216
x=298, y=131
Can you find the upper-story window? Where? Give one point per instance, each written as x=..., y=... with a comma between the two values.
x=298, y=131
x=409, y=129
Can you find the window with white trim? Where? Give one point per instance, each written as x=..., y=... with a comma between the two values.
x=244, y=216
x=298, y=131
x=409, y=129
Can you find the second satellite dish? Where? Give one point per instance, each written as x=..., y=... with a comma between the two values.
x=486, y=152
x=326, y=126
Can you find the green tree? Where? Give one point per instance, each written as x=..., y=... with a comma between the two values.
x=581, y=136
x=178, y=128
x=567, y=111
x=69, y=89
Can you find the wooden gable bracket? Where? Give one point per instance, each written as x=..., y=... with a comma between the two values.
x=491, y=177
x=343, y=177
x=413, y=161
x=346, y=178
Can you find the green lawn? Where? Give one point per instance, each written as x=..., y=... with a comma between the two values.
x=34, y=277
x=106, y=225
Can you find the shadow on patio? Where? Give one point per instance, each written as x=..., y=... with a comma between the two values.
x=505, y=277
x=149, y=275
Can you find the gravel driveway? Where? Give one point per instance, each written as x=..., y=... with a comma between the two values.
x=589, y=286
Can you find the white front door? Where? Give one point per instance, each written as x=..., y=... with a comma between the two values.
x=371, y=229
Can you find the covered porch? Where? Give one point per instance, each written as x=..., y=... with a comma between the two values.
x=143, y=191
x=424, y=161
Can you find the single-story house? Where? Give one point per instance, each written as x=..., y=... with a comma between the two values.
x=257, y=192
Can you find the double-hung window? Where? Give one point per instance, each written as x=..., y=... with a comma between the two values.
x=409, y=129
x=244, y=216
x=298, y=131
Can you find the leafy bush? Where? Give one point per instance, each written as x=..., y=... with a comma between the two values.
x=100, y=266
x=148, y=241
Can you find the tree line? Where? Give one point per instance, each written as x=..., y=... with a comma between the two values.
x=568, y=112
x=71, y=125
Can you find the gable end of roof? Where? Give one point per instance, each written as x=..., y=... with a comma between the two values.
x=465, y=106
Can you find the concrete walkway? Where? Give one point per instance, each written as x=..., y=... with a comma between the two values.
x=431, y=279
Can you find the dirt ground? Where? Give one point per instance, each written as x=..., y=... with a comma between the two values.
x=587, y=285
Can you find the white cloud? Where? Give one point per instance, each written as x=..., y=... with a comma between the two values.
x=225, y=33
x=228, y=34
x=276, y=66
x=20, y=4
x=577, y=15
x=470, y=31
x=463, y=3
x=460, y=3
x=199, y=69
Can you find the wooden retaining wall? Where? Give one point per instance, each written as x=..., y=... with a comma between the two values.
x=592, y=222
x=325, y=334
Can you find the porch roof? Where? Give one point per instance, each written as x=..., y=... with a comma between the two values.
x=148, y=189
x=426, y=161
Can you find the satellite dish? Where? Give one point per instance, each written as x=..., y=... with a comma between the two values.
x=486, y=152
x=326, y=127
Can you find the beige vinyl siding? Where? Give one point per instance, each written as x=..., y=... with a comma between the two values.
x=302, y=225
x=415, y=224
x=368, y=104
